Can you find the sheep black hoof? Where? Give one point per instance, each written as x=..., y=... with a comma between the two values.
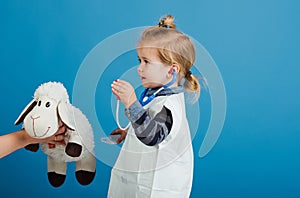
x=56, y=180
x=85, y=177
x=32, y=147
x=73, y=149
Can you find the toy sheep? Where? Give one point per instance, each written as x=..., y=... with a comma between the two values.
x=41, y=119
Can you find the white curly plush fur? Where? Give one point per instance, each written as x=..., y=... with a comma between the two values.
x=53, y=90
x=84, y=130
x=56, y=91
x=41, y=119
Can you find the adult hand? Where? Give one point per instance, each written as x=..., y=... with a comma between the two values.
x=13, y=141
x=124, y=91
x=57, y=138
x=123, y=134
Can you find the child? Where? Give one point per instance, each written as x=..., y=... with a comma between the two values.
x=156, y=159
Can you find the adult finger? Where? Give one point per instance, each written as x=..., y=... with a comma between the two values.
x=59, y=138
x=57, y=143
x=61, y=130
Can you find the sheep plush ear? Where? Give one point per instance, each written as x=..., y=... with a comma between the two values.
x=66, y=114
x=25, y=111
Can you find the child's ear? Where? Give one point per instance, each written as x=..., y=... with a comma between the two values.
x=175, y=67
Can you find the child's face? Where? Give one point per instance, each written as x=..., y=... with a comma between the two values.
x=152, y=71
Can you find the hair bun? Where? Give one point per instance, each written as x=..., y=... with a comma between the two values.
x=167, y=22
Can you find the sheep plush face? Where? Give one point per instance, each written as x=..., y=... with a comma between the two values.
x=42, y=121
x=43, y=114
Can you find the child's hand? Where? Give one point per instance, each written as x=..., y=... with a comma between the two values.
x=124, y=91
x=123, y=134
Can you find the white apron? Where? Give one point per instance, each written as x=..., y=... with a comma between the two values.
x=161, y=171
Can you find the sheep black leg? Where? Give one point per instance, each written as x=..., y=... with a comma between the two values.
x=32, y=147
x=73, y=149
x=56, y=180
x=56, y=172
x=86, y=169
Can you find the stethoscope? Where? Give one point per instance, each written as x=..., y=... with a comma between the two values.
x=145, y=99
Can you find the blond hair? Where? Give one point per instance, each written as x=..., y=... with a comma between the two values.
x=173, y=47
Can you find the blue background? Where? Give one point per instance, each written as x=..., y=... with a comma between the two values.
x=254, y=43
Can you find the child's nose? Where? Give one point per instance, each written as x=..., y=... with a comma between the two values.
x=140, y=69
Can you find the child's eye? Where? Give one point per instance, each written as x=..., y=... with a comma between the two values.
x=143, y=60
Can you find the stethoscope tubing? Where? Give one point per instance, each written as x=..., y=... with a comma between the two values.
x=144, y=100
